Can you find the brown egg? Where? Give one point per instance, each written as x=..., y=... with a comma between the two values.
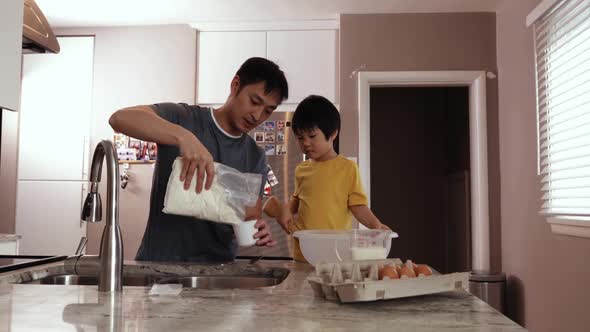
x=407, y=272
x=412, y=266
x=423, y=269
x=389, y=272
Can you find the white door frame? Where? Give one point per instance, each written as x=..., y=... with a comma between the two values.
x=476, y=82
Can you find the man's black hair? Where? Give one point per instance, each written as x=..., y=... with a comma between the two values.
x=256, y=70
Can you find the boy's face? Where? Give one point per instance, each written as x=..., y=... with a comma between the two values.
x=251, y=105
x=314, y=143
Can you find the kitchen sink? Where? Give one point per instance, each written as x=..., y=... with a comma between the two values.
x=220, y=282
x=72, y=279
x=195, y=282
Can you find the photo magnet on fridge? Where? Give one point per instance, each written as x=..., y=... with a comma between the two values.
x=269, y=126
x=269, y=149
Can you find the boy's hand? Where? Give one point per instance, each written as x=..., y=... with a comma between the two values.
x=384, y=227
x=285, y=219
x=365, y=216
x=285, y=223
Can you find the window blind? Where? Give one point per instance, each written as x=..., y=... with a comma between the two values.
x=562, y=55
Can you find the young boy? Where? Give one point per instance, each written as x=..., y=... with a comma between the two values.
x=327, y=186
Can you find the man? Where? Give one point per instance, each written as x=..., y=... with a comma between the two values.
x=201, y=136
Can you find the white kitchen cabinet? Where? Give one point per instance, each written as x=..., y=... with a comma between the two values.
x=9, y=244
x=53, y=150
x=55, y=112
x=11, y=32
x=308, y=59
x=48, y=217
x=220, y=56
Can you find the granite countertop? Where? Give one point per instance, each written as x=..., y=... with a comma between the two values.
x=290, y=306
x=9, y=237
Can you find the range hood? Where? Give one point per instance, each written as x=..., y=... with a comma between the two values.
x=37, y=34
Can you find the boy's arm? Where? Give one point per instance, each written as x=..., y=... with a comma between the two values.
x=293, y=205
x=289, y=209
x=286, y=217
x=365, y=216
x=144, y=123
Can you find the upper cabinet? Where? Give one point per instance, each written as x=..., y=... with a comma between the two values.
x=308, y=58
x=220, y=55
x=11, y=31
x=55, y=112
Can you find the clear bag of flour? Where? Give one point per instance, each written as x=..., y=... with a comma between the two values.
x=225, y=202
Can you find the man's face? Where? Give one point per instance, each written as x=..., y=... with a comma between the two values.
x=251, y=105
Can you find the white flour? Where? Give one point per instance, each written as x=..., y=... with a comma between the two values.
x=212, y=204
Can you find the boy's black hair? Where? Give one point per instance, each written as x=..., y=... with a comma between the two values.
x=317, y=112
x=256, y=70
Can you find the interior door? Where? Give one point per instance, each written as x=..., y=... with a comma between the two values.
x=419, y=141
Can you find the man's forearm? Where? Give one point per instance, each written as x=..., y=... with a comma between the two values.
x=143, y=123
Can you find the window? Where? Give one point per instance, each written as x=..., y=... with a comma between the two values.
x=562, y=55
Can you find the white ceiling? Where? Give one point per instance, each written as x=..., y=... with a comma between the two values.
x=81, y=13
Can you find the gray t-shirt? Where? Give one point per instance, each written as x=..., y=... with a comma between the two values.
x=176, y=238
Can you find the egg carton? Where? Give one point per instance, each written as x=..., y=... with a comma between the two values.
x=358, y=281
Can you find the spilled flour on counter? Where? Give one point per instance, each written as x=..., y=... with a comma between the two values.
x=165, y=289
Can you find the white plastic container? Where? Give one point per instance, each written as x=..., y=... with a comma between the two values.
x=244, y=232
x=321, y=246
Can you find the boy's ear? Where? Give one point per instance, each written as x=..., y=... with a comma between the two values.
x=334, y=134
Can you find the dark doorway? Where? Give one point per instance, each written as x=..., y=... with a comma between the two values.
x=420, y=172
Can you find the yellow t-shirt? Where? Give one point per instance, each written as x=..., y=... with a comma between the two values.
x=325, y=191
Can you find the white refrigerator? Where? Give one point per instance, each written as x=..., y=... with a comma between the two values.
x=53, y=147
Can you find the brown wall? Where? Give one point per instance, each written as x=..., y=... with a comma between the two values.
x=549, y=277
x=401, y=42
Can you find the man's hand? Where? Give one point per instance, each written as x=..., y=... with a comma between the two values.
x=144, y=123
x=195, y=157
x=263, y=235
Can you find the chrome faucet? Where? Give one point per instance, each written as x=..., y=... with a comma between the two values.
x=110, y=258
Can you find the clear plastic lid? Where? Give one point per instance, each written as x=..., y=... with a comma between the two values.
x=347, y=234
x=323, y=234
x=371, y=237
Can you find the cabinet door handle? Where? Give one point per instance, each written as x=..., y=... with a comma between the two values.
x=82, y=199
x=85, y=142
